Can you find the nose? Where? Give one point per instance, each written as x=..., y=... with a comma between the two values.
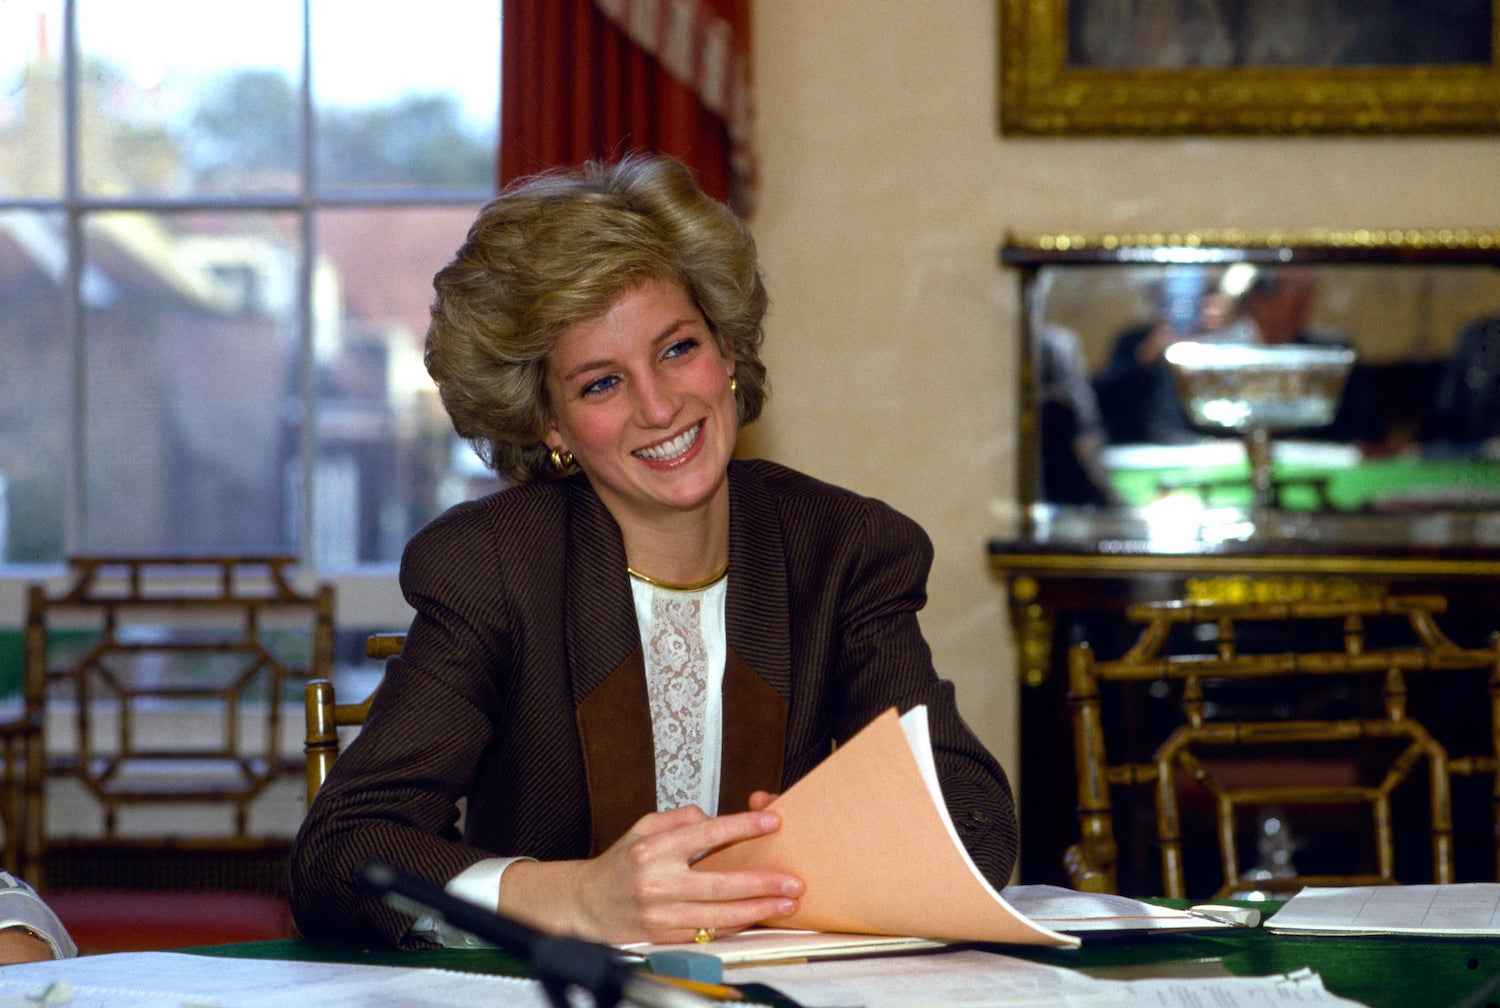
x=655, y=401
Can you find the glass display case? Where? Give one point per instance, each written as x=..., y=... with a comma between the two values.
x=1416, y=424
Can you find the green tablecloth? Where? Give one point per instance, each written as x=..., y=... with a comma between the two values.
x=1383, y=972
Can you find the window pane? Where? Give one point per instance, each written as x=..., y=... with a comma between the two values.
x=35, y=379
x=191, y=378
x=191, y=419
x=411, y=99
x=193, y=97
x=30, y=99
x=386, y=457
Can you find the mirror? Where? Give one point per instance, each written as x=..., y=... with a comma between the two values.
x=1105, y=421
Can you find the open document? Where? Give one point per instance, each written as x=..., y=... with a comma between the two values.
x=1084, y=915
x=1458, y=910
x=868, y=832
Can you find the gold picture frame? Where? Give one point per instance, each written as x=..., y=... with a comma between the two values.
x=1051, y=83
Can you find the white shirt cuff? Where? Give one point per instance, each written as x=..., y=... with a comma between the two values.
x=478, y=884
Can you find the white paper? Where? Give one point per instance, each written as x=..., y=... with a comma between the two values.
x=182, y=980
x=1076, y=912
x=974, y=979
x=1463, y=909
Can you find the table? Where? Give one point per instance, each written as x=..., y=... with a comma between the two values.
x=1380, y=972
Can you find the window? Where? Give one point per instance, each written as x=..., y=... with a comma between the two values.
x=218, y=228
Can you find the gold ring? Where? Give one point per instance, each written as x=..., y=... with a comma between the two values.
x=704, y=935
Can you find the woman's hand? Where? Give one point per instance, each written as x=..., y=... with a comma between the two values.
x=644, y=889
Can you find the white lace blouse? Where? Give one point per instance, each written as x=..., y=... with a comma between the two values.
x=682, y=635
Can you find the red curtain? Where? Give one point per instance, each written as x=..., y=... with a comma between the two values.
x=599, y=78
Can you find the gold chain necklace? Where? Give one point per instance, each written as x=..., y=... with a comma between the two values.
x=669, y=586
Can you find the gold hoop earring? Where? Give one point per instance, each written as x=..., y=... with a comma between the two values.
x=734, y=385
x=561, y=458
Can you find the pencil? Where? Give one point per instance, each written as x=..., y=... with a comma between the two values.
x=719, y=992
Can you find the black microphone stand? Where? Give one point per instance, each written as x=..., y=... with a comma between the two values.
x=558, y=962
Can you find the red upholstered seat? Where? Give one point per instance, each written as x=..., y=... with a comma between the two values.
x=137, y=921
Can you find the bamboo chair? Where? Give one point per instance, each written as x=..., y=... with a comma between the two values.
x=208, y=641
x=176, y=669
x=1200, y=749
x=325, y=716
x=22, y=747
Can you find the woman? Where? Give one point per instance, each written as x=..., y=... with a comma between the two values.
x=641, y=633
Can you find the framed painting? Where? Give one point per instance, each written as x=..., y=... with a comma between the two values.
x=1144, y=67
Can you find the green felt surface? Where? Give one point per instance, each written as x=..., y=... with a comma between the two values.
x=1380, y=971
x=1349, y=488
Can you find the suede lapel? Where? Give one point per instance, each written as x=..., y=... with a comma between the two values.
x=754, y=736
x=619, y=755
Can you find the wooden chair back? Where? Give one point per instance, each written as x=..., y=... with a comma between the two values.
x=22, y=746
x=166, y=677
x=325, y=716
x=1375, y=656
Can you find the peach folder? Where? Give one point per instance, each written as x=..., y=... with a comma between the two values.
x=868, y=832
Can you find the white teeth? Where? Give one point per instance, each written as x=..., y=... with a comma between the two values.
x=668, y=450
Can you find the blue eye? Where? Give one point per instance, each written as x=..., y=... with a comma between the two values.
x=682, y=346
x=599, y=385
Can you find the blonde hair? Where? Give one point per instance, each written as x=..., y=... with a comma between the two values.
x=558, y=249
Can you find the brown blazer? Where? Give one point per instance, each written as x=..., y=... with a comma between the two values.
x=520, y=686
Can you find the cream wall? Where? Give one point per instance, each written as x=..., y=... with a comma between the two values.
x=885, y=191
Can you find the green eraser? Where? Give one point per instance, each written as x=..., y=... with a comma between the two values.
x=687, y=966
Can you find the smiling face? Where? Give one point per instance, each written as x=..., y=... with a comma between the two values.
x=641, y=397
